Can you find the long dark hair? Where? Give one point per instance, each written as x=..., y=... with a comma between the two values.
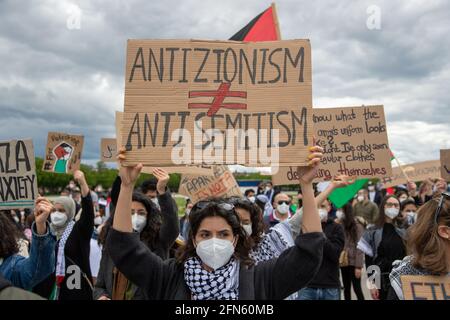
x=213, y=209
x=349, y=222
x=150, y=233
x=256, y=218
x=382, y=215
x=8, y=236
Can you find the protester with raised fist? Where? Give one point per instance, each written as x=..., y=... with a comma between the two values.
x=72, y=278
x=26, y=272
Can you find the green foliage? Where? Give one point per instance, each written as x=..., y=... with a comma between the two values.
x=100, y=175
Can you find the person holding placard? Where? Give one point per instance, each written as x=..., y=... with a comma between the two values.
x=215, y=264
x=24, y=272
x=384, y=244
x=429, y=244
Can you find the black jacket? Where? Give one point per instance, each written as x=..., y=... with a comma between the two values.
x=270, y=280
x=328, y=275
x=76, y=252
x=167, y=235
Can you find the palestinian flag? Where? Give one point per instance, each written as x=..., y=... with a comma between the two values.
x=391, y=154
x=263, y=27
x=339, y=197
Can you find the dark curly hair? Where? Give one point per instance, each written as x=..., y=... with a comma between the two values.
x=8, y=236
x=213, y=209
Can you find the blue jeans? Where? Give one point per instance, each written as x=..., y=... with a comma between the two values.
x=319, y=294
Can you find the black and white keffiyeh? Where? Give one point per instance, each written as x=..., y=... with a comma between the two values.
x=220, y=284
x=272, y=245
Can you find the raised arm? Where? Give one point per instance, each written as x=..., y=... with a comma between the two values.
x=86, y=223
x=170, y=228
x=41, y=262
x=338, y=182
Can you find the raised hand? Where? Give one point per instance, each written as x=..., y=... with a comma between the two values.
x=128, y=175
x=43, y=208
x=307, y=174
x=163, y=179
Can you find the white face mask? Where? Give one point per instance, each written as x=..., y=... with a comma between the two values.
x=360, y=198
x=138, y=222
x=339, y=214
x=16, y=219
x=98, y=221
x=187, y=211
x=268, y=188
x=283, y=208
x=391, y=212
x=323, y=214
x=58, y=218
x=214, y=252
x=401, y=199
x=371, y=188
x=251, y=199
x=248, y=229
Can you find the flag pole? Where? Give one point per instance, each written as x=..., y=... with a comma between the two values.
x=400, y=167
x=275, y=19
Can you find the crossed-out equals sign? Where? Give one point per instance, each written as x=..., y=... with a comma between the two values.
x=219, y=96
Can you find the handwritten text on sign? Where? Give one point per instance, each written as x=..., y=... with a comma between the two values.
x=445, y=164
x=426, y=287
x=18, y=182
x=260, y=91
x=220, y=184
x=355, y=143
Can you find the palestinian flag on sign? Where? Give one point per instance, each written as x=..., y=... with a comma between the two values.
x=263, y=27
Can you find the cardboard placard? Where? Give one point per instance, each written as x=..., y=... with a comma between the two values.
x=63, y=152
x=445, y=164
x=174, y=85
x=426, y=287
x=419, y=171
x=355, y=143
x=108, y=148
x=220, y=184
x=18, y=181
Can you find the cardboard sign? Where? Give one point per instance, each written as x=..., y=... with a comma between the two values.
x=220, y=184
x=355, y=143
x=184, y=101
x=63, y=152
x=419, y=171
x=426, y=287
x=445, y=164
x=18, y=181
x=108, y=147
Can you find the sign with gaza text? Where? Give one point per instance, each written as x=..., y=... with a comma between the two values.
x=63, y=152
x=426, y=287
x=418, y=171
x=445, y=164
x=217, y=102
x=220, y=184
x=355, y=143
x=18, y=181
x=108, y=147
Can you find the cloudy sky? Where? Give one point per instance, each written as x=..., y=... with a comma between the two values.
x=62, y=61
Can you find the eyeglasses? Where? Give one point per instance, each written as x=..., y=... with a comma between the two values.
x=204, y=204
x=283, y=201
x=444, y=196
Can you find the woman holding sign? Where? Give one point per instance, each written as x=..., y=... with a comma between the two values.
x=429, y=244
x=215, y=263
